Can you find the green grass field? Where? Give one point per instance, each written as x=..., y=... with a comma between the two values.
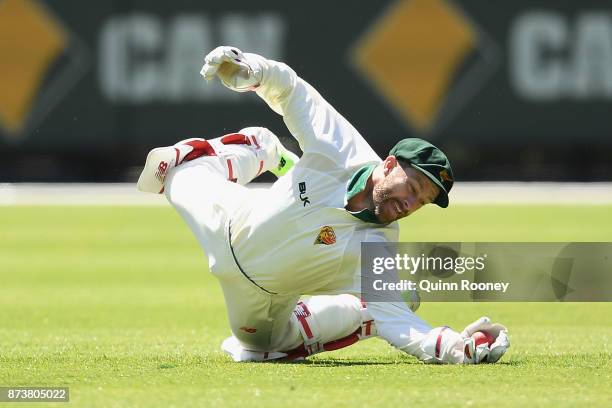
x=117, y=304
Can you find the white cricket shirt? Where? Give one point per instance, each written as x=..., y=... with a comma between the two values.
x=297, y=237
x=276, y=236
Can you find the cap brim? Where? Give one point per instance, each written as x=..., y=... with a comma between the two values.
x=442, y=198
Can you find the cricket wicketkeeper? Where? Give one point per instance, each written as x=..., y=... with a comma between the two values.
x=302, y=236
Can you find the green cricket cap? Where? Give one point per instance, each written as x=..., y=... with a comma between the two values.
x=429, y=160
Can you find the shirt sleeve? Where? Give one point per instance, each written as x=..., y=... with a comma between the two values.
x=394, y=320
x=315, y=124
x=399, y=326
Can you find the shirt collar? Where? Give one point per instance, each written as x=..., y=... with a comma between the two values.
x=356, y=185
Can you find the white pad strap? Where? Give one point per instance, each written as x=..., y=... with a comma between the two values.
x=309, y=328
x=324, y=320
x=368, y=327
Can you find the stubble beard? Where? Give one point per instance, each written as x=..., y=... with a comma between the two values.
x=380, y=196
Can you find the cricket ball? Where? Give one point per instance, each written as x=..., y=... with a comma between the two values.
x=482, y=337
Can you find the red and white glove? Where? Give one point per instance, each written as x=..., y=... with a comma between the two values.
x=483, y=353
x=443, y=345
x=235, y=70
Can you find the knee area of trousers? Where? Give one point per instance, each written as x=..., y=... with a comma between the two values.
x=334, y=316
x=254, y=341
x=334, y=304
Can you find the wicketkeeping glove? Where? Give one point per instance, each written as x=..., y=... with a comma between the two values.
x=233, y=68
x=484, y=353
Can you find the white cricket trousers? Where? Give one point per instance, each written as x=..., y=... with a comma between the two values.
x=206, y=192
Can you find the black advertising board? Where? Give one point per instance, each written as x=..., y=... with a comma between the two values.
x=110, y=77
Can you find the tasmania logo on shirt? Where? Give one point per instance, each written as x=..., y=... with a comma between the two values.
x=326, y=236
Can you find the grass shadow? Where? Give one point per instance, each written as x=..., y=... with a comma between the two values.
x=349, y=363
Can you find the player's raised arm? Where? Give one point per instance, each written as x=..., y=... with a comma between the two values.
x=308, y=116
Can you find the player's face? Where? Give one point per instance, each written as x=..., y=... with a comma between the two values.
x=402, y=192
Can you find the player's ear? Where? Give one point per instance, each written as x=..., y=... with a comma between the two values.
x=389, y=164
